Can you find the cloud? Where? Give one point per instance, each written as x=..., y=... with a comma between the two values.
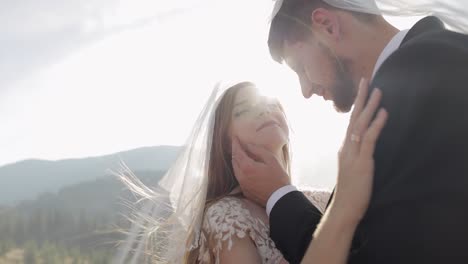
x=36, y=34
x=72, y=86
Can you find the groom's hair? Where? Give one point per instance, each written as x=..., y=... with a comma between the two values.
x=292, y=23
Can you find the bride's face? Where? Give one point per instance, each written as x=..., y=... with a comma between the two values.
x=258, y=120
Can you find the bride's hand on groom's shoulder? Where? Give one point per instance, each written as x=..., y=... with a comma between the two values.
x=258, y=171
x=356, y=157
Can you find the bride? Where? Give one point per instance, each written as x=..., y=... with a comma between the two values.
x=198, y=213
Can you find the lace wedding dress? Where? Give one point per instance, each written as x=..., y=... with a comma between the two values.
x=232, y=218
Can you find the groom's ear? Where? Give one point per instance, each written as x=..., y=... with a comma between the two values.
x=325, y=23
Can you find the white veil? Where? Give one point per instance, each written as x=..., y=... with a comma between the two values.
x=170, y=215
x=165, y=216
x=454, y=13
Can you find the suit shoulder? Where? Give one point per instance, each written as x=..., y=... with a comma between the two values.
x=436, y=51
x=435, y=45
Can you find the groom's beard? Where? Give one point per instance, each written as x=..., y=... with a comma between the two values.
x=342, y=90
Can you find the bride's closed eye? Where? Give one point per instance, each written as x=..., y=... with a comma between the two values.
x=245, y=107
x=241, y=112
x=274, y=105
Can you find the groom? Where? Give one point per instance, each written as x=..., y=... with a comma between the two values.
x=418, y=212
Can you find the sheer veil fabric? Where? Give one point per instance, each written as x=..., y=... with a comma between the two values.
x=454, y=13
x=167, y=218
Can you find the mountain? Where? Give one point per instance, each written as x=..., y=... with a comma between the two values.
x=27, y=179
x=83, y=222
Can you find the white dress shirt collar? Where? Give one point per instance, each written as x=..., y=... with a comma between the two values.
x=391, y=47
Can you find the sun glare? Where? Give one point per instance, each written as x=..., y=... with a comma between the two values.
x=145, y=86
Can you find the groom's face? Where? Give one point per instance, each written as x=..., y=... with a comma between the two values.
x=321, y=72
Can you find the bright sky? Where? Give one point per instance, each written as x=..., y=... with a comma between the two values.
x=102, y=78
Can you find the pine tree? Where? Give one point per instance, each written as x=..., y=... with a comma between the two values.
x=30, y=253
x=49, y=254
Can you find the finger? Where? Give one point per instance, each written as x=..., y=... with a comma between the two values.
x=243, y=149
x=239, y=154
x=261, y=153
x=355, y=134
x=237, y=148
x=362, y=122
x=360, y=98
x=373, y=133
x=350, y=147
x=239, y=173
x=237, y=170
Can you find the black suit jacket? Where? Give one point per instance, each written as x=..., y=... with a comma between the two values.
x=419, y=207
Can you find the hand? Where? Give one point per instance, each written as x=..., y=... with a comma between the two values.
x=356, y=162
x=259, y=174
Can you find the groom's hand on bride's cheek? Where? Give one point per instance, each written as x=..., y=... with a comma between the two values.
x=258, y=171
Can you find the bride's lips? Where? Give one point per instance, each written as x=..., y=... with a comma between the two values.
x=267, y=124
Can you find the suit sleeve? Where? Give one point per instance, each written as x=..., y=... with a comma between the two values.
x=293, y=220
